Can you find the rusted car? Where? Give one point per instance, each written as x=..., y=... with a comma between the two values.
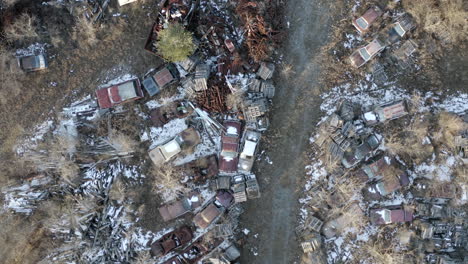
x=362, y=55
x=358, y=153
x=155, y=82
x=178, y=208
x=228, y=158
x=391, y=215
x=120, y=93
x=173, y=110
x=171, y=241
x=187, y=139
x=363, y=23
x=202, y=169
x=404, y=24
x=381, y=113
x=33, y=63
x=214, y=210
x=198, y=249
x=388, y=185
x=249, y=149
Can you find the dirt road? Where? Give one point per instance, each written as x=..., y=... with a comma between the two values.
x=293, y=118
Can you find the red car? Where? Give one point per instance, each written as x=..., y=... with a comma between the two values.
x=229, y=156
x=171, y=241
x=390, y=215
x=119, y=93
x=363, y=23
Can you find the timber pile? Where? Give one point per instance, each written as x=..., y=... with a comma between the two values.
x=260, y=35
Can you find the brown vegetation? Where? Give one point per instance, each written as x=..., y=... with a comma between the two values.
x=22, y=28
x=85, y=33
x=448, y=127
x=166, y=181
x=10, y=76
x=445, y=19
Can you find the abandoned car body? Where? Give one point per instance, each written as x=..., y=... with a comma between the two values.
x=359, y=153
x=154, y=83
x=178, y=208
x=390, y=215
x=177, y=109
x=228, y=158
x=382, y=113
x=185, y=140
x=249, y=149
x=363, y=23
x=120, y=93
x=214, y=210
x=398, y=30
x=362, y=55
x=171, y=241
x=33, y=63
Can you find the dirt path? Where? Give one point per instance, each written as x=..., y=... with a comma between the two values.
x=293, y=118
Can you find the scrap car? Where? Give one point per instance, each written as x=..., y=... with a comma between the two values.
x=364, y=22
x=171, y=241
x=33, y=63
x=391, y=215
x=155, y=82
x=123, y=92
x=229, y=155
x=249, y=149
x=187, y=139
x=173, y=110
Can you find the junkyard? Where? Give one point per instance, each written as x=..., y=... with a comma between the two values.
x=220, y=131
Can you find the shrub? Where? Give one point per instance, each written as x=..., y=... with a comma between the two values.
x=175, y=43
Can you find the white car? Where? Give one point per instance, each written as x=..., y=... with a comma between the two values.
x=249, y=148
x=186, y=139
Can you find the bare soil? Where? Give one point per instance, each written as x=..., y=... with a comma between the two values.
x=293, y=117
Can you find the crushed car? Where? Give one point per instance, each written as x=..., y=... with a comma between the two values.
x=180, y=207
x=173, y=110
x=171, y=241
x=360, y=151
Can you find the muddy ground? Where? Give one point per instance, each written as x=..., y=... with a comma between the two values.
x=293, y=118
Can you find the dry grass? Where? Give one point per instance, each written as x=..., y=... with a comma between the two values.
x=22, y=28
x=448, y=126
x=378, y=253
x=121, y=142
x=117, y=191
x=10, y=75
x=446, y=19
x=166, y=182
x=409, y=143
x=461, y=174
x=233, y=101
x=85, y=33
x=21, y=240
